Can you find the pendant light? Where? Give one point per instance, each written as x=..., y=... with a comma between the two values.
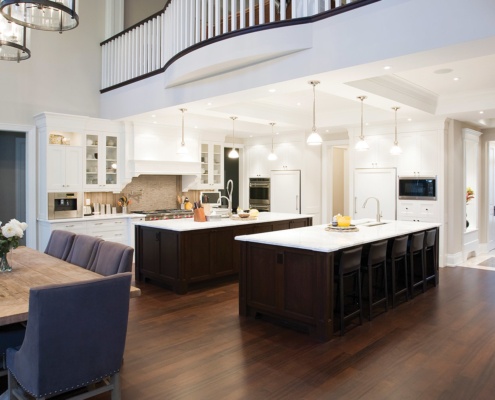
x=182, y=149
x=395, y=150
x=233, y=153
x=272, y=156
x=14, y=40
x=314, y=139
x=362, y=145
x=45, y=15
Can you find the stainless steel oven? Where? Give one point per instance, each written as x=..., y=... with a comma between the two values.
x=65, y=205
x=259, y=193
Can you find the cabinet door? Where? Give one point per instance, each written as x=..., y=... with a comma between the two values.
x=222, y=254
x=289, y=156
x=196, y=254
x=64, y=168
x=419, y=155
x=258, y=163
x=101, y=161
x=211, y=166
x=150, y=251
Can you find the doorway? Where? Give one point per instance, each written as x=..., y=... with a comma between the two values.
x=13, y=177
x=231, y=171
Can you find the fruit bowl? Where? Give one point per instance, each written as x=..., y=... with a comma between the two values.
x=243, y=215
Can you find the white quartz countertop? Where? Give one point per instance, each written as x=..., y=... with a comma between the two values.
x=94, y=217
x=188, y=224
x=316, y=238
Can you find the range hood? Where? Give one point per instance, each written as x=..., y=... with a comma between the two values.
x=152, y=167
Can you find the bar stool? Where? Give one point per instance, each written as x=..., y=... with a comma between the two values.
x=397, y=260
x=348, y=265
x=375, y=266
x=415, y=253
x=430, y=257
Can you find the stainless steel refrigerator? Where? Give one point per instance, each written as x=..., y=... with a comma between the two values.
x=285, y=191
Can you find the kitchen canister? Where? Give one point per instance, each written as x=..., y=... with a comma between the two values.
x=108, y=209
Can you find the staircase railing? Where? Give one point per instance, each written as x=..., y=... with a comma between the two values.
x=148, y=47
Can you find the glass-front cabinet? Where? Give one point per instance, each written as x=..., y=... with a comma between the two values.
x=211, y=166
x=101, y=161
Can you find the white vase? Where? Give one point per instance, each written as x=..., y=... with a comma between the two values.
x=124, y=210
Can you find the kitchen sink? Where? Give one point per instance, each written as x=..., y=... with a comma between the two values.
x=374, y=223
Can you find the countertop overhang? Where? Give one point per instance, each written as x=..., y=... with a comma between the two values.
x=188, y=224
x=316, y=238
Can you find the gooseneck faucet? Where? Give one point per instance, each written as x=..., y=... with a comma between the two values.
x=378, y=213
x=230, y=189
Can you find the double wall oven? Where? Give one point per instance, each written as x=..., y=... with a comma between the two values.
x=259, y=193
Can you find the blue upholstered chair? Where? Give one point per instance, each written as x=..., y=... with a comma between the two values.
x=83, y=250
x=112, y=258
x=75, y=338
x=10, y=336
x=60, y=244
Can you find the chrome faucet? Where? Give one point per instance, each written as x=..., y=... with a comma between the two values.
x=378, y=213
x=230, y=189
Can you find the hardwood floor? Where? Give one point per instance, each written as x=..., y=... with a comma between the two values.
x=440, y=345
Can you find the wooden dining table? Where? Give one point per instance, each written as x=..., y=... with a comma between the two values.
x=31, y=268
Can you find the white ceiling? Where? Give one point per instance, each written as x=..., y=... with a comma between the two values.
x=421, y=93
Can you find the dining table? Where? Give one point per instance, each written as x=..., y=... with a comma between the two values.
x=32, y=268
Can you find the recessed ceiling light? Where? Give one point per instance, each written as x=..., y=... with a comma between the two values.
x=276, y=133
x=209, y=104
x=154, y=122
x=482, y=112
x=195, y=126
x=456, y=79
x=153, y=116
x=409, y=119
x=250, y=135
x=326, y=131
x=443, y=71
x=387, y=67
x=272, y=90
x=298, y=104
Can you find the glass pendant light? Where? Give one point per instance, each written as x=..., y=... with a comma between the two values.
x=272, y=156
x=361, y=145
x=182, y=149
x=14, y=40
x=395, y=150
x=233, y=153
x=314, y=139
x=45, y=15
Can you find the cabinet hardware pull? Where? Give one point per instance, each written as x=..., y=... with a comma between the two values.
x=297, y=202
x=69, y=226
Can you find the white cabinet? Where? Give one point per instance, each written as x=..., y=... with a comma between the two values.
x=114, y=230
x=101, y=162
x=285, y=192
x=419, y=155
x=211, y=166
x=378, y=155
x=258, y=164
x=421, y=211
x=64, y=168
x=289, y=156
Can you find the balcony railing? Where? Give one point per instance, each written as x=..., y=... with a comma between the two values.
x=148, y=47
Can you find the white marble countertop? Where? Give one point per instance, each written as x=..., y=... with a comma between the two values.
x=316, y=238
x=94, y=217
x=188, y=224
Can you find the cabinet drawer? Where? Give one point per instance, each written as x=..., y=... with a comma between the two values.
x=106, y=225
x=76, y=227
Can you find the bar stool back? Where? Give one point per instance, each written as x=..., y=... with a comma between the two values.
x=348, y=265
x=430, y=257
x=375, y=266
x=416, y=262
x=397, y=260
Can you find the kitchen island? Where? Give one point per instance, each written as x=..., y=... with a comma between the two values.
x=182, y=252
x=289, y=275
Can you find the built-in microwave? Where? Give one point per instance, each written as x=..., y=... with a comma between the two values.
x=417, y=187
x=65, y=205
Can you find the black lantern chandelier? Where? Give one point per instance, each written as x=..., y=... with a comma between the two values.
x=45, y=15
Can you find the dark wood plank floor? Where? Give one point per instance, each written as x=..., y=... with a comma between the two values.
x=440, y=345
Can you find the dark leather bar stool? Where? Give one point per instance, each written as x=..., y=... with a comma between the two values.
x=430, y=257
x=397, y=261
x=348, y=265
x=415, y=253
x=375, y=267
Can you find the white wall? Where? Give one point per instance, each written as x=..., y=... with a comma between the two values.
x=135, y=11
x=62, y=75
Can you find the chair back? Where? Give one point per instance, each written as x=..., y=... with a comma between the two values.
x=430, y=238
x=399, y=247
x=350, y=260
x=417, y=242
x=112, y=258
x=75, y=335
x=377, y=253
x=60, y=243
x=83, y=250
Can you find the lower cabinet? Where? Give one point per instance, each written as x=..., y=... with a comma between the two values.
x=414, y=210
x=179, y=259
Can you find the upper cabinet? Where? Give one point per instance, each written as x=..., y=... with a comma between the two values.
x=289, y=156
x=419, y=154
x=258, y=165
x=64, y=168
x=378, y=155
x=102, y=164
x=211, y=166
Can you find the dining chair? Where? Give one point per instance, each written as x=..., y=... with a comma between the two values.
x=83, y=250
x=75, y=339
x=112, y=258
x=10, y=336
x=60, y=243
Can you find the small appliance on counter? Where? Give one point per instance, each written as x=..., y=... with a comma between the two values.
x=65, y=205
x=87, y=211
